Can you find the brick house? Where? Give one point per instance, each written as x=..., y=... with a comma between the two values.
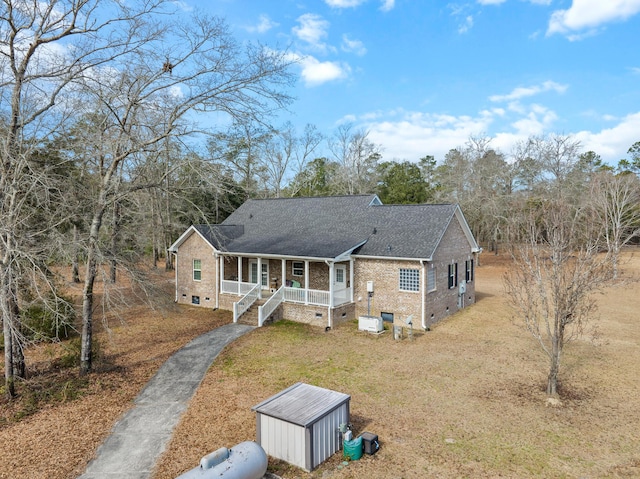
x=323, y=260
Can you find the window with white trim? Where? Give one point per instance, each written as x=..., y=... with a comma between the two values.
x=468, y=265
x=197, y=270
x=409, y=279
x=297, y=268
x=431, y=279
x=453, y=275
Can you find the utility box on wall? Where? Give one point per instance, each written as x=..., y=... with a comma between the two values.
x=301, y=425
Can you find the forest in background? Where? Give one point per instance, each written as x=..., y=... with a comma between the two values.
x=104, y=162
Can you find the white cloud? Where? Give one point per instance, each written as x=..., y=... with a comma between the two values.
x=387, y=5
x=353, y=46
x=416, y=134
x=491, y=2
x=264, y=25
x=590, y=14
x=312, y=29
x=612, y=143
x=184, y=6
x=466, y=25
x=344, y=3
x=523, y=92
x=315, y=72
x=409, y=135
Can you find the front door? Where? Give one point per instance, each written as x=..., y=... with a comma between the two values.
x=340, y=280
x=253, y=273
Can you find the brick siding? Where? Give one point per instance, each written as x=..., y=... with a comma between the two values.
x=440, y=303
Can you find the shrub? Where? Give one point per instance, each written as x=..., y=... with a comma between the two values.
x=46, y=321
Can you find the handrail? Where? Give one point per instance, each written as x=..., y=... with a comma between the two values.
x=270, y=306
x=245, y=302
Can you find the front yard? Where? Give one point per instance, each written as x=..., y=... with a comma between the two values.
x=463, y=400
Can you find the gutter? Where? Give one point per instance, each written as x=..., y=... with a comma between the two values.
x=390, y=258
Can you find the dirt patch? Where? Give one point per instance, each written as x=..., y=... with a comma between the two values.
x=463, y=400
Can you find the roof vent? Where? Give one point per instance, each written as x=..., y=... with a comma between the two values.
x=389, y=247
x=375, y=230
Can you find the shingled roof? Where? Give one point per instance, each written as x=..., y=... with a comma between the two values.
x=328, y=227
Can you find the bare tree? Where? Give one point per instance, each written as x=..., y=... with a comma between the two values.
x=358, y=158
x=146, y=101
x=134, y=78
x=286, y=154
x=37, y=68
x=555, y=270
x=614, y=201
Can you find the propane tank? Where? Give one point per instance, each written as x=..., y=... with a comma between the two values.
x=247, y=460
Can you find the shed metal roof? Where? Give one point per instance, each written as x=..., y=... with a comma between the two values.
x=302, y=404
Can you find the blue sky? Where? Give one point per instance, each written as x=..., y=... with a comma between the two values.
x=422, y=76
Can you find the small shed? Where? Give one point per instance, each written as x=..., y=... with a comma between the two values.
x=301, y=425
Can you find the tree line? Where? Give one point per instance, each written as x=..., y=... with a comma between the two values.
x=104, y=158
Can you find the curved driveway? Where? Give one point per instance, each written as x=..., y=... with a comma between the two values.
x=138, y=439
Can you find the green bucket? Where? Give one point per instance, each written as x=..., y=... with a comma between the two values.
x=353, y=449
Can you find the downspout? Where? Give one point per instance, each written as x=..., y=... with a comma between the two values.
x=175, y=261
x=423, y=295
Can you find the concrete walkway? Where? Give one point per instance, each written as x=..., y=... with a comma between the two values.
x=141, y=435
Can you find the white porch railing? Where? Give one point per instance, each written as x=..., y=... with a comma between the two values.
x=270, y=306
x=236, y=287
x=316, y=297
x=245, y=302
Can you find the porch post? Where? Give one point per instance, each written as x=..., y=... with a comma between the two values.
x=331, y=281
x=239, y=272
x=284, y=272
x=218, y=283
x=306, y=281
x=221, y=269
x=260, y=278
x=351, y=276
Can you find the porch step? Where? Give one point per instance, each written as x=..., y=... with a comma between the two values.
x=250, y=316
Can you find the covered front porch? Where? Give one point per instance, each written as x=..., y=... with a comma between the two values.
x=313, y=282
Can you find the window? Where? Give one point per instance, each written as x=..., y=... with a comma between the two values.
x=453, y=275
x=431, y=279
x=468, y=265
x=387, y=317
x=339, y=275
x=297, y=268
x=409, y=279
x=197, y=270
x=195, y=299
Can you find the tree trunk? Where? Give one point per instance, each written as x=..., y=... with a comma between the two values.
x=75, y=260
x=114, y=242
x=87, y=293
x=19, y=366
x=9, y=379
x=552, y=380
x=87, y=313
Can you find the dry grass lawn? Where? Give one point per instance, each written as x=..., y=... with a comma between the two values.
x=463, y=400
